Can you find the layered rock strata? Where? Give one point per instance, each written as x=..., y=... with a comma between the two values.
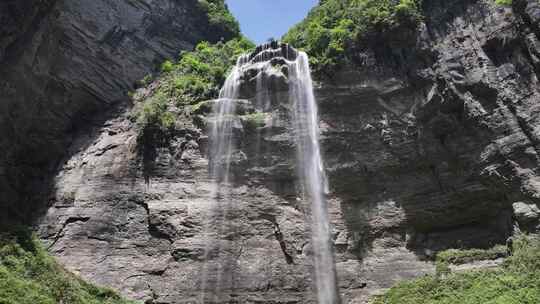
x=65, y=65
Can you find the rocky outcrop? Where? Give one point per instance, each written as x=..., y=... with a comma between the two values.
x=64, y=65
x=427, y=147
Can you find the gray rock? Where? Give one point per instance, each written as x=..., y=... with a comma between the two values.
x=65, y=66
x=526, y=213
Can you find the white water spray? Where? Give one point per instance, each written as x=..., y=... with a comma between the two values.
x=312, y=176
x=217, y=275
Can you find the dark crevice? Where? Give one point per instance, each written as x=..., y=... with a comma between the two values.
x=520, y=7
x=279, y=237
x=527, y=26
x=437, y=177
x=153, y=230
x=70, y=220
x=524, y=128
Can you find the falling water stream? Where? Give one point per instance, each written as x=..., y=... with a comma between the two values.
x=222, y=149
x=305, y=127
x=311, y=173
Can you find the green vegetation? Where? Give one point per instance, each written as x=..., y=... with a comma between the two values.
x=28, y=275
x=336, y=28
x=196, y=77
x=155, y=114
x=517, y=282
x=146, y=80
x=222, y=22
x=255, y=120
x=463, y=256
x=504, y=2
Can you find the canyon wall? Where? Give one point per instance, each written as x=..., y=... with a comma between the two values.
x=430, y=143
x=65, y=65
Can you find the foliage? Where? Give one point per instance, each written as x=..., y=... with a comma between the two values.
x=155, y=113
x=28, y=275
x=503, y=2
x=255, y=120
x=442, y=269
x=167, y=66
x=146, y=80
x=526, y=256
x=335, y=28
x=517, y=282
x=197, y=76
x=462, y=256
x=220, y=19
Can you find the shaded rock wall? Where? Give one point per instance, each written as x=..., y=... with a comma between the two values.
x=64, y=64
x=428, y=146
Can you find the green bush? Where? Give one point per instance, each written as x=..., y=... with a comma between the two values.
x=255, y=120
x=146, y=80
x=504, y=2
x=155, y=113
x=335, y=28
x=221, y=21
x=166, y=66
x=197, y=76
x=442, y=269
x=526, y=256
x=28, y=275
x=462, y=256
x=517, y=282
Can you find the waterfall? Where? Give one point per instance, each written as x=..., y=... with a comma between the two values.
x=222, y=129
x=305, y=127
x=312, y=176
x=217, y=276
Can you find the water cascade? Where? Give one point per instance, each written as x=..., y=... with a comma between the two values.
x=311, y=173
x=216, y=277
x=303, y=124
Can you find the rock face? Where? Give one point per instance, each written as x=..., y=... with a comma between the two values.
x=65, y=63
x=431, y=143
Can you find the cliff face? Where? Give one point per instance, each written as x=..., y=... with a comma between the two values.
x=431, y=143
x=448, y=131
x=65, y=64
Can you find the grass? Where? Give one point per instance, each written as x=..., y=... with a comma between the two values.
x=463, y=256
x=29, y=275
x=503, y=2
x=517, y=282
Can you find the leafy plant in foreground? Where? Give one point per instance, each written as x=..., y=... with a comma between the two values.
x=29, y=275
x=517, y=282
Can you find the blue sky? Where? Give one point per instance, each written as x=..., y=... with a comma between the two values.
x=263, y=19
